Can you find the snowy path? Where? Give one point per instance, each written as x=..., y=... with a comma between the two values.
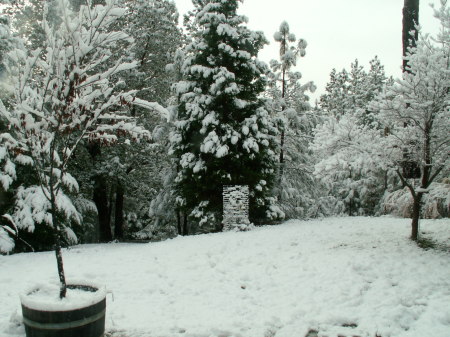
x=275, y=281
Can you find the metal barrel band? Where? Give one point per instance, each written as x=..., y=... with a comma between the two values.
x=65, y=325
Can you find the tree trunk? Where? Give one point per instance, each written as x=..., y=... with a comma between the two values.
x=410, y=20
x=282, y=138
x=185, y=225
x=425, y=183
x=417, y=205
x=282, y=154
x=59, y=263
x=179, y=229
x=58, y=253
x=118, y=214
x=100, y=199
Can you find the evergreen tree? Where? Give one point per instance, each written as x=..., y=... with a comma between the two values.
x=223, y=134
x=350, y=92
x=347, y=165
x=27, y=19
x=334, y=101
x=9, y=43
x=357, y=185
x=287, y=79
x=125, y=179
x=163, y=212
x=290, y=104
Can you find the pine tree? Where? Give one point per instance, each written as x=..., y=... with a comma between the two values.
x=163, y=212
x=346, y=163
x=223, y=134
x=128, y=178
x=283, y=74
x=334, y=101
x=290, y=104
x=8, y=42
x=350, y=92
x=357, y=185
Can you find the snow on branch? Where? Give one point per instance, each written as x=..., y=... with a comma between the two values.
x=63, y=93
x=163, y=112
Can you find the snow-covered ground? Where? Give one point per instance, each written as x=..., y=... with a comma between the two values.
x=278, y=281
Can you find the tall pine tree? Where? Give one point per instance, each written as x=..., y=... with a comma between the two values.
x=224, y=135
x=296, y=186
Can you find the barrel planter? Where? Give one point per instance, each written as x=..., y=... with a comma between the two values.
x=81, y=316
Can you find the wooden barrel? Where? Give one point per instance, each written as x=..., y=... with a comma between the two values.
x=82, y=322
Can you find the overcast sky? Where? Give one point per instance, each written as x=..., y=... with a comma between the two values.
x=337, y=31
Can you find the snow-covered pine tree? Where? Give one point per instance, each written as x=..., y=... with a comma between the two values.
x=290, y=104
x=410, y=33
x=26, y=20
x=223, y=134
x=285, y=78
x=357, y=185
x=334, y=101
x=127, y=178
x=63, y=96
x=350, y=92
x=8, y=42
x=348, y=164
x=164, y=216
x=154, y=25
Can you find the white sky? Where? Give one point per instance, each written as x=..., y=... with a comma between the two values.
x=337, y=32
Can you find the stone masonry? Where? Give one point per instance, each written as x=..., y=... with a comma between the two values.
x=235, y=207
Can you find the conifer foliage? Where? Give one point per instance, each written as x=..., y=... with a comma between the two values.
x=290, y=103
x=342, y=143
x=223, y=134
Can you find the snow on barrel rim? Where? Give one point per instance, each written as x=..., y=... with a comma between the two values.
x=45, y=296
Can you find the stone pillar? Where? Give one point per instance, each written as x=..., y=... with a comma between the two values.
x=235, y=207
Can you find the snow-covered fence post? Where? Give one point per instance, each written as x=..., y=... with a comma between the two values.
x=235, y=207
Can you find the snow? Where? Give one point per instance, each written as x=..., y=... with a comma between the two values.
x=45, y=296
x=222, y=151
x=163, y=112
x=278, y=281
x=6, y=243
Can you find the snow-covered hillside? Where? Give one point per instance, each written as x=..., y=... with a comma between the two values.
x=279, y=281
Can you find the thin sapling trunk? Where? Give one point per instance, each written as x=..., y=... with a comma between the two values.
x=59, y=262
